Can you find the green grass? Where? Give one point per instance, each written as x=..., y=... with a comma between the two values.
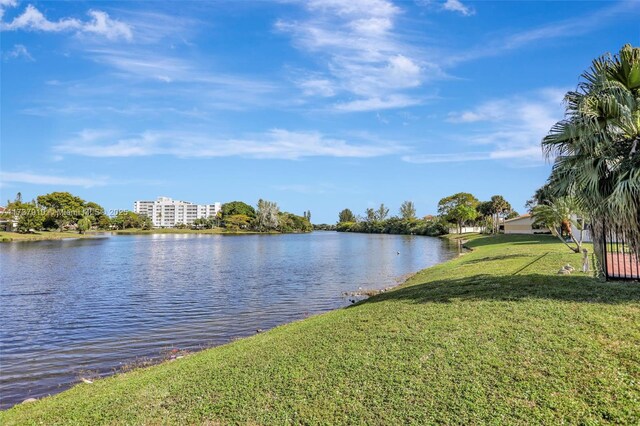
x=6, y=237
x=492, y=337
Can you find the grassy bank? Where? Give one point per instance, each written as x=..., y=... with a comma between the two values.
x=495, y=336
x=6, y=237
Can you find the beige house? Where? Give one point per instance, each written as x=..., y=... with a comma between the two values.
x=524, y=225
x=520, y=225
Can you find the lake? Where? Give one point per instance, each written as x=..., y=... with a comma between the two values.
x=90, y=307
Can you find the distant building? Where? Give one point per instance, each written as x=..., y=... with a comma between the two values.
x=167, y=213
x=524, y=225
x=520, y=225
x=7, y=222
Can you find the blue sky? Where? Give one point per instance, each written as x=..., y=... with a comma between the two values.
x=318, y=105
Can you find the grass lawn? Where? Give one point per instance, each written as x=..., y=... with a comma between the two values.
x=494, y=336
x=6, y=237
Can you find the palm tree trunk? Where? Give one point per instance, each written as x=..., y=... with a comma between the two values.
x=557, y=234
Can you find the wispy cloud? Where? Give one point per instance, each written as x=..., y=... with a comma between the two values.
x=375, y=103
x=100, y=23
x=510, y=128
x=19, y=51
x=41, y=179
x=568, y=28
x=274, y=144
x=366, y=57
x=168, y=68
x=457, y=6
x=527, y=153
x=152, y=26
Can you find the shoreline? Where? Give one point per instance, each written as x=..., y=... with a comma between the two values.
x=15, y=237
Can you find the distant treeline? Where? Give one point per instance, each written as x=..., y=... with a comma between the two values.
x=377, y=221
x=456, y=210
x=65, y=211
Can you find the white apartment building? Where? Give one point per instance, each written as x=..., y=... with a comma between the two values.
x=167, y=213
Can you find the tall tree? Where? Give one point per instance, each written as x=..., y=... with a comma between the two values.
x=267, y=215
x=596, y=147
x=458, y=208
x=382, y=212
x=29, y=216
x=238, y=207
x=542, y=195
x=370, y=215
x=501, y=208
x=486, y=212
x=237, y=222
x=84, y=225
x=346, y=215
x=408, y=210
x=63, y=208
x=559, y=216
x=127, y=219
x=94, y=212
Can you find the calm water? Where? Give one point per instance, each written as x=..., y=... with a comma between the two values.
x=88, y=307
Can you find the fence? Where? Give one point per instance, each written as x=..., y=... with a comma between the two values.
x=466, y=229
x=619, y=260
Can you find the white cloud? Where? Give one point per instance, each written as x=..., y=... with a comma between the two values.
x=147, y=65
x=364, y=53
x=100, y=23
x=274, y=144
x=510, y=128
x=378, y=8
x=457, y=6
x=527, y=153
x=390, y=102
x=39, y=179
x=19, y=51
x=103, y=25
x=488, y=111
x=317, y=87
x=33, y=19
x=179, y=80
x=4, y=4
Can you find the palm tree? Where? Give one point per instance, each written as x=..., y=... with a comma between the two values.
x=559, y=216
x=597, y=147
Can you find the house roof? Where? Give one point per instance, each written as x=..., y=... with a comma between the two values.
x=524, y=216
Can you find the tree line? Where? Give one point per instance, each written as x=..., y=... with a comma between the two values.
x=57, y=210
x=458, y=209
x=65, y=211
x=266, y=217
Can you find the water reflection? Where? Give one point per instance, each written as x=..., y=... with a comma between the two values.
x=85, y=304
